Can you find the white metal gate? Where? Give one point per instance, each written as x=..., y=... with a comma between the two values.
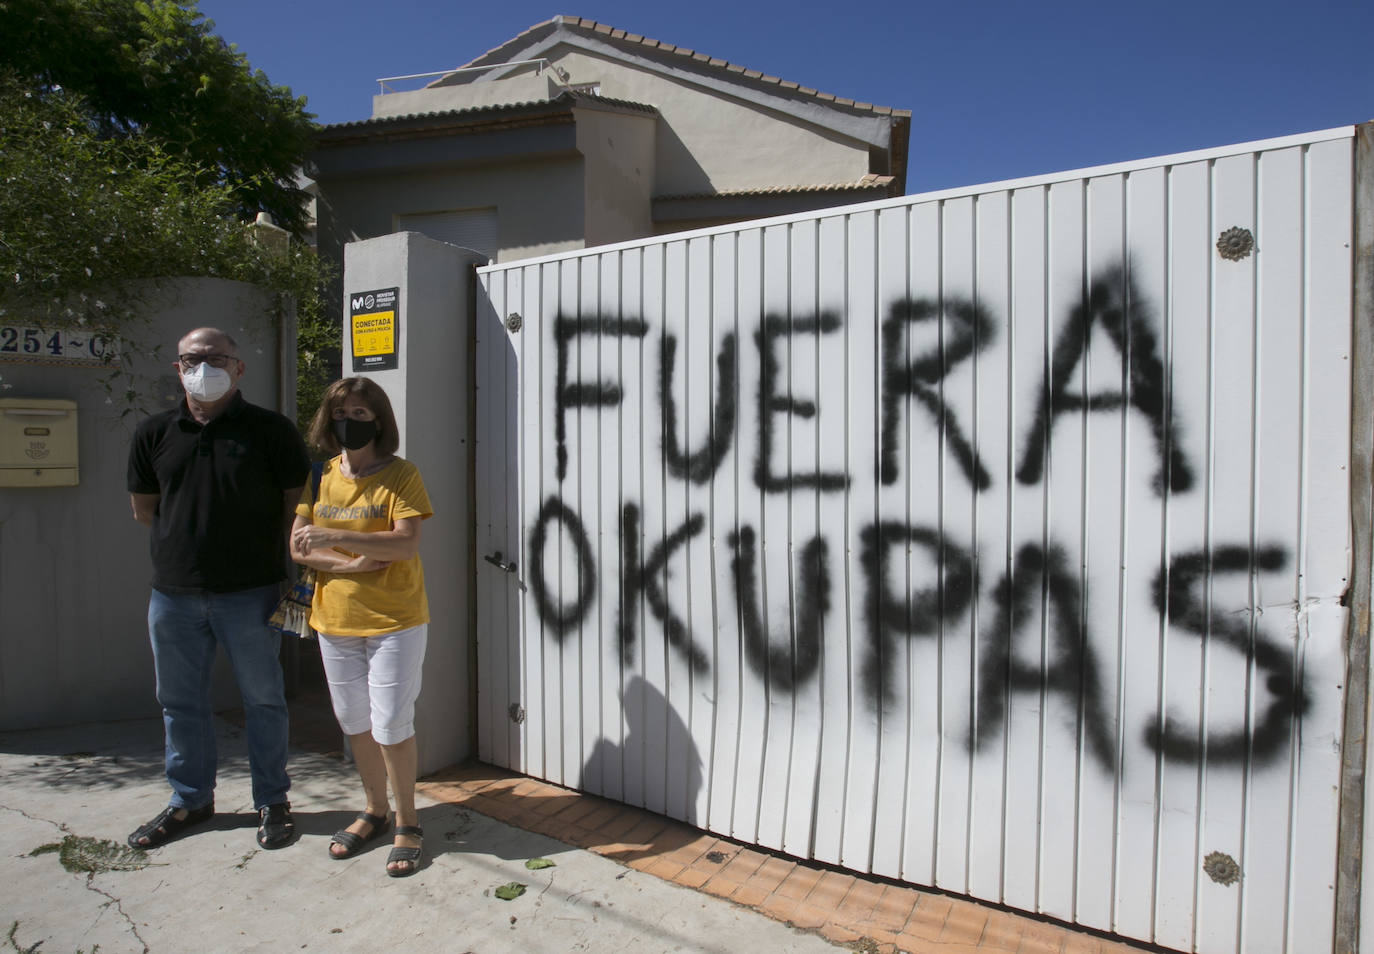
x=991, y=539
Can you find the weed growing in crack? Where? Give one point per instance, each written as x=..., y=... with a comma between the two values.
x=14, y=945
x=80, y=854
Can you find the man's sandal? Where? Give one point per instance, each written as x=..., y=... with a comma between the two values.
x=351, y=841
x=405, y=854
x=276, y=827
x=167, y=826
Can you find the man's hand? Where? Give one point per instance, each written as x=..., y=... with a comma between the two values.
x=144, y=505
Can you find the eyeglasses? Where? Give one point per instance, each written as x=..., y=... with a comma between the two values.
x=189, y=361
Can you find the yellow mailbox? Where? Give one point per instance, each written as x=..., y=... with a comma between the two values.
x=37, y=442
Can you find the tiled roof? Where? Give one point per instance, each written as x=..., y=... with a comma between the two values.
x=591, y=27
x=867, y=183
x=501, y=110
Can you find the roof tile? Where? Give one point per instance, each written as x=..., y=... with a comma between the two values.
x=868, y=182
x=563, y=99
x=593, y=26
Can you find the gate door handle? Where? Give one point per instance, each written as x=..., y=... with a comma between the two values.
x=495, y=560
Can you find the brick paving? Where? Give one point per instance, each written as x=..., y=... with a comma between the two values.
x=867, y=914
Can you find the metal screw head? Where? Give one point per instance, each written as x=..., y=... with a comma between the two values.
x=1235, y=244
x=514, y=321
x=1221, y=868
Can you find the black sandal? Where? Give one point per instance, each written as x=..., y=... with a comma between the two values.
x=352, y=842
x=404, y=853
x=167, y=826
x=276, y=827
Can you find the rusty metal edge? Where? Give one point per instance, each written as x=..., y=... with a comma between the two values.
x=1350, y=838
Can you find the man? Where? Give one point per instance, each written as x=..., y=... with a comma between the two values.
x=217, y=479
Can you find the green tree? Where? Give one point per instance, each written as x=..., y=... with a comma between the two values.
x=79, y=211
x=94, y=201
x=153, y=69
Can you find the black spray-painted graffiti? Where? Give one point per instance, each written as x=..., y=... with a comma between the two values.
x=1074, y=670
x=578, y=394
x=892, y=615
x=970, y=329
x=1112, y=303
x=1040, y=576
x=777, y=663
x=771, y=403
x=1183, y=599
x=698, y=467
x=561, y=617
x=647, y=579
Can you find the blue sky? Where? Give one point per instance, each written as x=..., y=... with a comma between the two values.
x=997, y=90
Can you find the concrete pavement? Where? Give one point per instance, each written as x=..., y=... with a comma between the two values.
x=215, y=890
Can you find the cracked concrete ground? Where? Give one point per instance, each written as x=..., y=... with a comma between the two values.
x=215, y=890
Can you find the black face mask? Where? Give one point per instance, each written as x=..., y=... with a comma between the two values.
x=354, y=435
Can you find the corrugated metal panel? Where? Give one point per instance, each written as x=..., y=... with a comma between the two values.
x=990, y=541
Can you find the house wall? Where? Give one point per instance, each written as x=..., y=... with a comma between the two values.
x=523, y=88
x=618, y=156
x=74, y=566
x=540, y=203
x=709, y=141
x=709, y=134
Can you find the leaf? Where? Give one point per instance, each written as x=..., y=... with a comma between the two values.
x=96, y=855
x=510, y=891
x=534, y=864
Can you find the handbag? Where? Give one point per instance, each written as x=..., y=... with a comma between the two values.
x=291, y=617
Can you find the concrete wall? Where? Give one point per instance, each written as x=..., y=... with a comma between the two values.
x=711, y=136
x=525, y=88
x=618, y=155
x=539, y=202
x=431, y=392
x=709, y=141
x=559, y=188
x=74, y=566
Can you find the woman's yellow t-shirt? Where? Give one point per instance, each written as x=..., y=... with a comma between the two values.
x=380, y=601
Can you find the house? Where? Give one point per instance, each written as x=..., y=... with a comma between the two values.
x=574, y=134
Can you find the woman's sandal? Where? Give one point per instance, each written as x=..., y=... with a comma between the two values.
x=354, y=843
x=167, y=826
x=404, y=853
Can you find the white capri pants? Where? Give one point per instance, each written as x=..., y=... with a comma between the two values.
x=374, y=681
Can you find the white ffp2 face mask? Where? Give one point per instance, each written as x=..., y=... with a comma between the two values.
x=206, y=383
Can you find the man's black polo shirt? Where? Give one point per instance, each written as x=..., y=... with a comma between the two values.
x=220, y=523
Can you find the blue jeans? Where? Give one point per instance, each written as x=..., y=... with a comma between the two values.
x=184, y=631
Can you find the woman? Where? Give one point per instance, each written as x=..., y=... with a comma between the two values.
x=362, y=536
